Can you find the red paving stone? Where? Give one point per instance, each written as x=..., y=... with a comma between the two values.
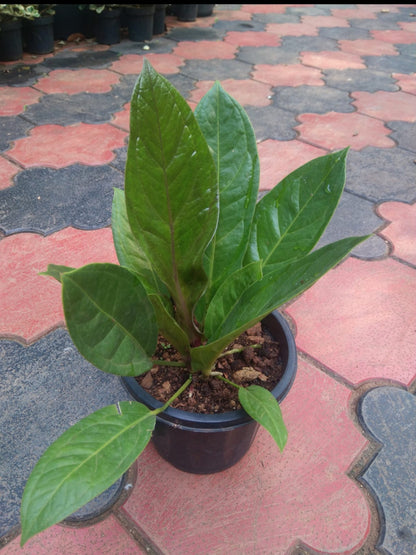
x=368, y=47
x=292, y=29
x=102, y=538
x=14, y=99
x=388, y=106
x=245, y=91
x=401, y=232
x=133, y=63
x=324, y=21
x=292, y=75
x=360, y=320
x=231, y=15
x=205, y=50
x=407, y=25
x=268, y=501
x=363, y=12
x=122, y=119
x=335, y=130
x=266, y=8
x=406, y=82
x=56, y=146
x=30, y=304
x=251, y=38
x=77, y=81
x=7, y=172
x=395, y=37
x=279, y=158
x=332, y=60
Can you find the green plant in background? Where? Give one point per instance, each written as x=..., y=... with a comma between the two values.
x=200, y=262
x=9, y=12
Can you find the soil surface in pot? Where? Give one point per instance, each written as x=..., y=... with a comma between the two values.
x=258, y=363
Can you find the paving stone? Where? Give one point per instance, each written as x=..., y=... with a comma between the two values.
x=391, y=64
x=372, y=174
x=353, y=12
x=359, y=80
x=336, y=130
x=388, y=106
x=20, y=75
x=133, y=63
x=160, y=44
x=407, y=83
x=13, y=101
x=12, y=128
x=119, y=161
x=275, y=18
x=332, y=60
x=292, y=29
x=31, y=304
x=272, y=122
x=356, y=216
x=212, y=70
x=252, y=38
x=389, y=414
x=267, y=55
x=371, y=24
x=253, y=25
x=316, y=100
x=406, y=49
x=196, y=34
x=347, y=33
x=246, y=92
x=368, y=47
x=325, y=21
x=7, y=171
x=45, y=200
x=308, y=44
x=401, y=230
x=205, y=50
x=46, y=388
x=63, y=109
x=365, y=312
x=82, y=80
x=303, y=493
x=182, y=83
x=394, y=37
x=309, y=10
x=284, y=75
x=84, y=143
x=68, y=59
x=404, y=134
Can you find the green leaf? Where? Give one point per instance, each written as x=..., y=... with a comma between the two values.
x=169, y=327
x=171, y=189
x=284, y=282
x=291, y=218
x=110, y=318
x=231, y=138
x=83, y=462
x=56, y=271
x=260, y=404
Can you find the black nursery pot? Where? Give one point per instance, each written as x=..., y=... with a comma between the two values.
x=159, y=19
x=107, y=26
x=187, y=12
x=140, y=22
x=203, y=443
x=38, y=35
x=11, y=42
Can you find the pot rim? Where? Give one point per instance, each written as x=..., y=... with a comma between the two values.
x=229, y=418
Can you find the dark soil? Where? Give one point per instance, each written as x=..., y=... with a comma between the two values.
x=259, y=365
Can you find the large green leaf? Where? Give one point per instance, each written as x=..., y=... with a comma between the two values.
x=230, y=135
x=171, y=189
x=291, y=218
x=260, y=404
x=110, y=318
x=83, y=462
x=281, y=284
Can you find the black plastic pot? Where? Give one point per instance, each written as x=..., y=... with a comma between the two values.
x=38, y=35
x=11, y=42
x=204, y=10
x=186, y=12
x=107, y=26
x=159, y=19
x=202, y=443
x=67, y=20
x=140, y=22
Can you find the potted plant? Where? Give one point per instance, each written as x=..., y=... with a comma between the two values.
x=159, y=19
x=200, y=263
x=139, y=19
x=38, y=37
x=106, y=22
x=11, y=41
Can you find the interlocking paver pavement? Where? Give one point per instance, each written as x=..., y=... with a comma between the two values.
x=313, y=78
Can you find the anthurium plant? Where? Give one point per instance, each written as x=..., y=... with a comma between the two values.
x=200, y=262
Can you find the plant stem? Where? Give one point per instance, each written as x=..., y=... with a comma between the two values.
x=240, y=350
x=174, y=396
x=224, y=379
x=162, y=362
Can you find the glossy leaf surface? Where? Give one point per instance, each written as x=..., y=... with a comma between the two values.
x=171, y=189
x=260, y=404
x=290, y=219
x=83, y=462
x=110, y=318
x=229, y=134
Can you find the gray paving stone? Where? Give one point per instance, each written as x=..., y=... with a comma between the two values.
x=356, y=216
x=67, y=60
x=404, y=133
x=196, y=33
x=308, y=44
x=45, y=200
x=277, y=17
x=159, y=45
x=389, y=414
x=272, y=122
x=372, y=24
x=373, y=173
x=391, y=64
x=67, y=109
x=216, y=70
x=240, y=26
x=12, y=128
x=182, y=83
x=344, y=33
x=20, y=75
x=316, y=100
x=322, y=9
x=360, y=80
x=267, y=55
x=46, y=388
x=406, y=49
